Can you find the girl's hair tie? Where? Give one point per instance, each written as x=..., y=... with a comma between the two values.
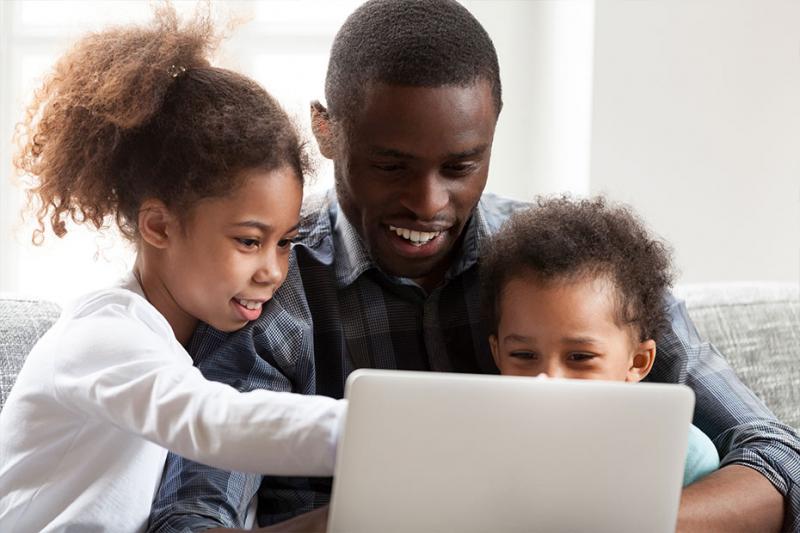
x=176, y=70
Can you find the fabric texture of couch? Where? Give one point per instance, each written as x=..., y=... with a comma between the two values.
x=22, y=322
x=755, y=325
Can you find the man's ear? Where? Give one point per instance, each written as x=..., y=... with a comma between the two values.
x=156, y=223
x=642, y=361
x=495, y=349
x=322, y=128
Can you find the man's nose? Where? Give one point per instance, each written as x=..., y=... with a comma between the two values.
x=427, y=196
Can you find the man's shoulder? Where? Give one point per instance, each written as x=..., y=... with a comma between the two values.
x=315, y=217
x=495, y=210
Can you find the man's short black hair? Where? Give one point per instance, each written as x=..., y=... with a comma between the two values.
x=561, y=239
x=420, y=43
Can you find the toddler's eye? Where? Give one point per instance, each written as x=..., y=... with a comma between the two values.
x=522, y=354
x=247, y=242
x=581, y=357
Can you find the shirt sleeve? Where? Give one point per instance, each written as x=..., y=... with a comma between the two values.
x=193, y=497
x=274, y=353
x=743, y=429
x=117, y=367
x=701, y=456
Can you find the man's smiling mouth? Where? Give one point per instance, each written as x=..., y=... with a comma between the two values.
x=417, y=238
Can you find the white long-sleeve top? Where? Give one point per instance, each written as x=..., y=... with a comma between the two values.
x=102, y=397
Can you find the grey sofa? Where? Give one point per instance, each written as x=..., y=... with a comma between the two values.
x=756, y=326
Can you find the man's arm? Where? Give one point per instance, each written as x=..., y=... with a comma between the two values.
x=315, y=521
x=717, y=503
x=193, y=497
x=759, y=482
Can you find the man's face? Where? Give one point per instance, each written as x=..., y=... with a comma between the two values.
x=411, y=170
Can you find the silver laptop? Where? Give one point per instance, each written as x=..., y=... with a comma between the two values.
x=433, y=452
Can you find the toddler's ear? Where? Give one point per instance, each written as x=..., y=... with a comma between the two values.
x=495, y=350
x=642, y=361
x=155, y=223
x=322, y=128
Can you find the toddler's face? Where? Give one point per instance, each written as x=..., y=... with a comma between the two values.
x=566, y=329
x=233, y=252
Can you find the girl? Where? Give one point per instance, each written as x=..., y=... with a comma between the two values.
x=202, y=170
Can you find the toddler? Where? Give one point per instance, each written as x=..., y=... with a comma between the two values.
x=574, y=289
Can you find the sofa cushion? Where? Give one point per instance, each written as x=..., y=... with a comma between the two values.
x=22, y=322
x=756, y=326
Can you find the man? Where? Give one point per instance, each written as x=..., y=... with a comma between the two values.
x=388, y=272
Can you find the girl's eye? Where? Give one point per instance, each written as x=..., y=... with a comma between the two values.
x=581, y=357
x=521, y=354
x=247, y=242
x=285, y=243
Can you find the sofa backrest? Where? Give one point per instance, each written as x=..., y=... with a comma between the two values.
x=756, y=326
x=22, y=322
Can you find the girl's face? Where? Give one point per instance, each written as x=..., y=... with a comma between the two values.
x=231, y=254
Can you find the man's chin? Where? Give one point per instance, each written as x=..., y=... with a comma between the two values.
x=414, y=269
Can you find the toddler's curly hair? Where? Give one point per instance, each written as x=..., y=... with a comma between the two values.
x=563, y=240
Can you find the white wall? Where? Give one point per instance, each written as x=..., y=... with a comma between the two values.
x=542, y=142
x=689, y=110
x=696, y=122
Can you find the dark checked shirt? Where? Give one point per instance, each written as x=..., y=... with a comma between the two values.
x=337, y=312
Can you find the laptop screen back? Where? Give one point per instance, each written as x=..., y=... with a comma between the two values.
x=436, y=452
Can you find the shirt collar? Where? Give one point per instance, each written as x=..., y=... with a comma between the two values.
x=351, y=258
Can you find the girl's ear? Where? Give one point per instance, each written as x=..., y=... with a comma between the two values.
x=156, y=223
x=642, y=361
x=322, y=128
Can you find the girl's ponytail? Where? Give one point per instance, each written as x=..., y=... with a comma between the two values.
x=110, y=84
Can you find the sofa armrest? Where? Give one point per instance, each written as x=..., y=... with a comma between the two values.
x=756, y=326
x=22, y=322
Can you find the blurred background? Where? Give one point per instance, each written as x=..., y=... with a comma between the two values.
x=689, y=110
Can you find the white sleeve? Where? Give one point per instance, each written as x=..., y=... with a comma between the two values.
x=121, y=369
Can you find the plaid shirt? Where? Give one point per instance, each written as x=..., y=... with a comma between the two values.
x=337, y=312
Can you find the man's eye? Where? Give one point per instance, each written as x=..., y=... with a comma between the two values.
x=522, y=354
x=581, y=357
x=248, y=242
x=460, y=169
x=388, y=167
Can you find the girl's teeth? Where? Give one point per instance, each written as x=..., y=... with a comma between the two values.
x=250, y=304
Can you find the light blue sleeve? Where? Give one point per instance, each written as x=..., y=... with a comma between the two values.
x=701, y=456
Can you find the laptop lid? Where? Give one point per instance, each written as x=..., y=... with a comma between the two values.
x=436, y=452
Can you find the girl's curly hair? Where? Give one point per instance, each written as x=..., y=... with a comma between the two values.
x=138, y=112
x=561, y=239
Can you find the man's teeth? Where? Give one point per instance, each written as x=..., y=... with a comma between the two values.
x=250, y=304
x=417, y=238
